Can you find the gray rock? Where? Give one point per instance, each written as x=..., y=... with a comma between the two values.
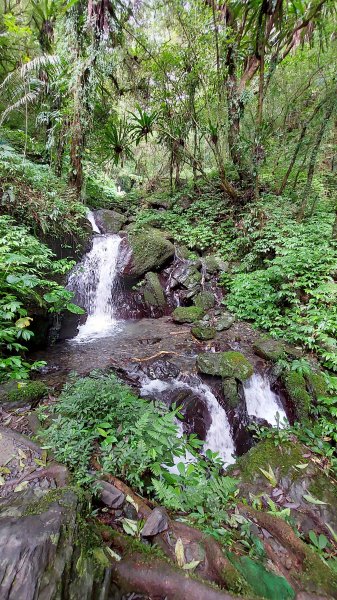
x=205, y=300
x=149, y=250
x=110, y=495
x=225, y=321
x=153, y=292
x=109, y=221
x=157, y=522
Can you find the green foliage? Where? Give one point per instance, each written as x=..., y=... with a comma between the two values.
x=32, y=194
x=25, y=268
x=288, y=289
x=138, y=441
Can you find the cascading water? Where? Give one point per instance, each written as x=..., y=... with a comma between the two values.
x=218, y=438
x=94, y=282
x=92, y=222
x=262, y=402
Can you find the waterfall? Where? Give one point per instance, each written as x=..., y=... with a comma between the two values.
x=92, y=222
x=261, y=401
x=94, y=282
x=218, y=438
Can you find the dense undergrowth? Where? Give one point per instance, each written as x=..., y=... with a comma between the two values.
x=28, y=274
x=137, y=441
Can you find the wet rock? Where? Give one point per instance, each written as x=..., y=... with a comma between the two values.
x=296, y=388
x=153, y=292
x=203, y=331
x=157, y=522
x=205, y=300
x=187, y=314
x=149, y=251
x=109, y=221
x=225, y=364
x=40, y=547
x=110, y=495
x=269, y=349
x=230, y=390
x=186, y=274
x=225, y=321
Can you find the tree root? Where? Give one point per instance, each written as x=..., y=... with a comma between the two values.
x=155, y=577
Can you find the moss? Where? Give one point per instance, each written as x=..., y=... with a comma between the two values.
x=234, y=364
x=230, y=390
x=203, y=332
x=205, y=300
x=187, y=314
x=266, y=453
x=58, y=495
x=150, y=250
x=316, y=575
x=295, y=385
x=317, y=384
x=153, y=292
x=28, y=392
x=323, y=488
x=225, y=364
x=269, y=349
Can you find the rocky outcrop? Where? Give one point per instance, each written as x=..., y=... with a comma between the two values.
x=205, y=300
x=109, y=221
x=225, y=364
x=149, y=250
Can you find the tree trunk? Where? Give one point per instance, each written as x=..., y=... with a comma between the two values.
x=313, y=159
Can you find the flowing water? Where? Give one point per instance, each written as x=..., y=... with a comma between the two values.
x=219, y=438
x=262, y=402
x=95, y=283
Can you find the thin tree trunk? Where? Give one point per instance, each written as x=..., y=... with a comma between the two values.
x=313, y=160
x=297, y=149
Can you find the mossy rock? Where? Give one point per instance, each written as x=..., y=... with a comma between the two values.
x=187, y=314
x=230, y=390
x=266, y=453
x=214, y=264
x=225, y=364
x=269, y=349
x=296, y=388
x=109, y=221
x=28, y=392
x=203, y=332
x=317, y=384
x=225, y=321
x=205, y=300
x=153, y=292
x=150, y=251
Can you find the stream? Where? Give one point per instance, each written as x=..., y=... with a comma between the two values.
x=156, y=356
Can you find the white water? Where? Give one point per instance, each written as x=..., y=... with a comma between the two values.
x=94, y=282
x=262, y=402
x=218, y=437
x=92, y=222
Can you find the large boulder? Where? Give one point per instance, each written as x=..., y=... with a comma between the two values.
x=109, y=221
x=214, y=264
x=149, y=250
x=225, y=364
